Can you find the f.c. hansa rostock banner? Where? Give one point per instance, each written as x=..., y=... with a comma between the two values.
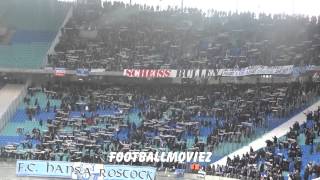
x=83, y=171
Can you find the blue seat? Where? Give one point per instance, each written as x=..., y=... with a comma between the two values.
x=23, y=36
x=4, y=140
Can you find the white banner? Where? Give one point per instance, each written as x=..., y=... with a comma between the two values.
x=207, y=73
x=97, y=70
x=83, y=171
x=149, y=73
x=251, y=70
x=60, y=72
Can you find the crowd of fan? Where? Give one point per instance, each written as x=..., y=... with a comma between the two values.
x=118, y=36
x=167, y=116
x=271, y=162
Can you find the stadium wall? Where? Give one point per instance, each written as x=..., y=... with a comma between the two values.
x=10, y=96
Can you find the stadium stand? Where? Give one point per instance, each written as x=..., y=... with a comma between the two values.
x=83, y=117
x=23, y=55
x=83, y=122
x=32, y=25
x=294, y=156
x=32, y=15
x=118, y=36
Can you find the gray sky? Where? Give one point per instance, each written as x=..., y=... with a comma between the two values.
x=307, y=7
